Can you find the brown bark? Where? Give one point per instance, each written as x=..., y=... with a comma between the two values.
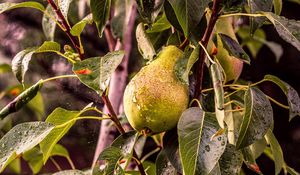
x=117, y=86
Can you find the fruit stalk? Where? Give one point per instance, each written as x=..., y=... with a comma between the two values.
x=201, y=62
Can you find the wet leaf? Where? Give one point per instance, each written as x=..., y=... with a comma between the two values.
x=188, y=13
x=57, y=117
x=95, y=72
x=199, y=150
x=234, y=48
x=20, y=139
x=49, y=24
x=171, y=149
x=21, y=99
x=258, y=118
x=287, y=29
x=20, y=63
x=48, y=46
x=144, y=43
x=64, y=7
x=231, y=161
x=163, y=165
x=9, y=6
x=122, y=147
x=291, y=94
x=100, y=10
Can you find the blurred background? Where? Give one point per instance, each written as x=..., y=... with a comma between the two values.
x=21, y=28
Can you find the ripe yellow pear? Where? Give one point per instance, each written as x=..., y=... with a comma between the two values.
x=154, y=99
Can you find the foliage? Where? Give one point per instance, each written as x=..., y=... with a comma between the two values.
x=228, y=125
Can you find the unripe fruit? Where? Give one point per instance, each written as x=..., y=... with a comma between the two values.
x=154, y=99
x=231, y=65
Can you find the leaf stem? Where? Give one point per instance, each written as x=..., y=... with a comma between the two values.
x=277, y=103
x=201, y=62
x=150, y=154
x=115, y=119
x=55, y=164
x=71, y=163
x=59, y=77
x=242, y=14
x=65, y=26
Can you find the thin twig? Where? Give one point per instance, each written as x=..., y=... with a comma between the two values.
x=201, y=62
x=67, y=28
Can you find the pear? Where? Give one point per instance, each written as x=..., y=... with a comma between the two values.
x=154, y=98
x=232, y=66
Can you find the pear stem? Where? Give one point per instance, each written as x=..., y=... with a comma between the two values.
x=201, y=62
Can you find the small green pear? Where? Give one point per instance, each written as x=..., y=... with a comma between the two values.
x=154, y=99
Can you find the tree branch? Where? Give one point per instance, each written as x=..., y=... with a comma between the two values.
x=67, y=28
x=205, y=39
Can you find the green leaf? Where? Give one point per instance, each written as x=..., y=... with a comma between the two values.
x=257, y=6
x=20, y=63
x=276, y=151
x=59, y=150
x=234, y=48
x=36, y=105
x=122, y=147
x=258, y=147
x=144, y=43
x=77, y=29
x=287, y=29
x=160, y=25
x=277, y=6
x=253, y=42
x=100, y=10
x=9, y=6
x=171, y=16
x=216, y=75
x=64, y=7
x=163, y=165
x=231, y=160
x=249, y=160
x=258, y=118
x=180, y=67
x=48, y=23
x=188, y=13
x=20, y=139
x=184, y=65
x=21, y=100
x=34, y=158
x=5, y=68
x=48, y=46
x=68, y=172
x=199, y=149
x=15, y=166
x=146, y=8
x=57, y=117
x=95, y=72
x=171, y=149
x=291, y=94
